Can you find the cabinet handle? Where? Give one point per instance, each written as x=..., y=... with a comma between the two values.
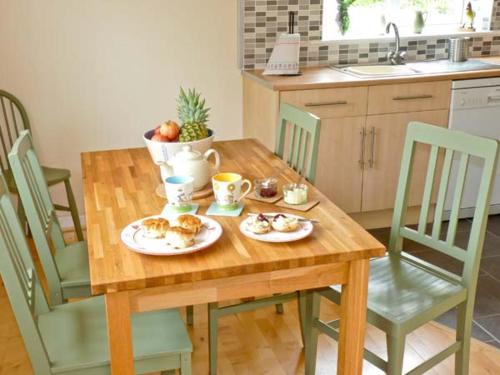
x=493, y=99
x=361, y=161
x=371, y=161
x=413, y=97
x=319, y=104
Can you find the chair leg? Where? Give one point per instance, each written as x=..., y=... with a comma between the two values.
x=212, y=337
x=301, y=300
x=186, y=364
x=73, y=210
x=279, y=308
x=189, y=315
x=312, y=302
x=464, y=328
x=395, y=354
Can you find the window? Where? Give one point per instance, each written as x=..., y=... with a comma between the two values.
x=367, y=18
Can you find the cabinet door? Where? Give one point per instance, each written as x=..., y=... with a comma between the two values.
x=385, y=148
x=339, y=173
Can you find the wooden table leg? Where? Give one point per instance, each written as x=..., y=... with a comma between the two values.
x=353, y=319
x=119, y=334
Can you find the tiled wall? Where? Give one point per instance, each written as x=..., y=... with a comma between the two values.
x=263, y=20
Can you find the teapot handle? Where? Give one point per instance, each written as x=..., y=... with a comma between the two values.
x=217, y=158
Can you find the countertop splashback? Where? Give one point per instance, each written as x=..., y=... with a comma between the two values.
x=264, y=19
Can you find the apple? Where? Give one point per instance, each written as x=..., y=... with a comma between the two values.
x=170, y=129
x=157, y=130
x=159, y=138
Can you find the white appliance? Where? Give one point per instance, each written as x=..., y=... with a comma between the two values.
x=475, y=109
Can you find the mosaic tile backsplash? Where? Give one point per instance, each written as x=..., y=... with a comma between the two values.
x=263, y=20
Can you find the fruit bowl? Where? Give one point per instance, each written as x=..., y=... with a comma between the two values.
x=162, y=151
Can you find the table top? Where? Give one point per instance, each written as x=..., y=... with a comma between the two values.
x=119, y=187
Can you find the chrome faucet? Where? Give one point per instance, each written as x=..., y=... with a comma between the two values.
x=396, y=57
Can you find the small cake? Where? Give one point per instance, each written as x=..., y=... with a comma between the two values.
x=179, y=237
x=155, y=228
x=190, y=222
x=283, y=223
x=259, y=224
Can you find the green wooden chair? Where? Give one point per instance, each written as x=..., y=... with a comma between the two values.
x=67, y=271
x=72, y=338
x=303, y=140
x=15, y=119
x=405, y=292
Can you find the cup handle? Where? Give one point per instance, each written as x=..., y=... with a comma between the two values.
x=217, y=158
x=248, y=189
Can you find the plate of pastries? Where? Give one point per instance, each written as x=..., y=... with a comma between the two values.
x=276, y=227
x=157, y=235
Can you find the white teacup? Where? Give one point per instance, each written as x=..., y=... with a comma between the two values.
x=179, y=190
x=227, y=189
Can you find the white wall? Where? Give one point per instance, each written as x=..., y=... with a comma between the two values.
x=95, y=74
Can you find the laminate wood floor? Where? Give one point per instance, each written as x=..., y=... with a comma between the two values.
x=263, y=342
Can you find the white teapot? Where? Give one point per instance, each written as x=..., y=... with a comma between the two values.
x=189, y=162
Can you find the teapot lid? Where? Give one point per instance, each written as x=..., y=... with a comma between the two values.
x=188, y=153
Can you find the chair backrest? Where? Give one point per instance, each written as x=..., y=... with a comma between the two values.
x=13, y=119
x=462, y=147
x=21, y=281
x=303, y=139
x=39, y=209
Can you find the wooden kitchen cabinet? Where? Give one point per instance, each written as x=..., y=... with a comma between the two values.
x=410, y=97
x=329, y=103
x=339, y=170
x=363, y=129
x=384, y=149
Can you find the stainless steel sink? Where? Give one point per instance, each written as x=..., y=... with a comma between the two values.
x=445, y=66
x=424, y=67
x=379, y=70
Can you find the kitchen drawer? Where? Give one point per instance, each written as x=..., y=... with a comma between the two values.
x=410, y=97
x=329, y=103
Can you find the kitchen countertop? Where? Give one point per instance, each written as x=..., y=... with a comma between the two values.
x=325, y=77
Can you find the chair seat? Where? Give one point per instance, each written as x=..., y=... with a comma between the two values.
x=399, y=291
x=73, y=265
x=75, y=334
x=52, y=176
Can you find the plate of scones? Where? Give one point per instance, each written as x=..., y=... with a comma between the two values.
x=184, y=234
x=276, y=227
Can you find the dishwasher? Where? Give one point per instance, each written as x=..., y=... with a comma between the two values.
x=474, y=109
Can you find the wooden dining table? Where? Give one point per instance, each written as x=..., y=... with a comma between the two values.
x=119, y=188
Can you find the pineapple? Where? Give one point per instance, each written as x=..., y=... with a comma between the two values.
x=193, y=115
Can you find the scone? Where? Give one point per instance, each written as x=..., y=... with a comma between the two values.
x=179, y=237
x=190, y=222
x=259, y=224
x=155, y=228
x=283, y=223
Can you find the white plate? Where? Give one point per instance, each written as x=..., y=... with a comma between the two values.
x=305, y=229
x=132, y=237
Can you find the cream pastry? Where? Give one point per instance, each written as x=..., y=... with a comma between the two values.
x=155, y=228
x=190, y=222
x=259, y=224
x=283, y=223
x=179, y=237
